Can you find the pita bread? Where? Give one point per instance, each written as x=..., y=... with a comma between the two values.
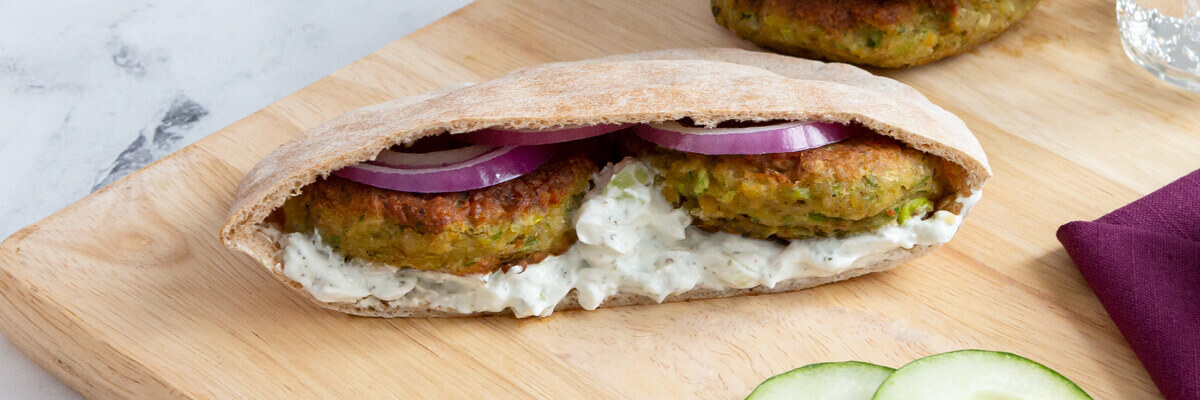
x=707, y=85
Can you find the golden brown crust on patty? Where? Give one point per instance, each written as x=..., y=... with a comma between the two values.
x=839, y=15
x=478, y=231
x=885, y=33
x=432, y=212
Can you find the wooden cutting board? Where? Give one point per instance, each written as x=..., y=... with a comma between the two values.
x=128, y=294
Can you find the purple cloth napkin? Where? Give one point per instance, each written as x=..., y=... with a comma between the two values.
x=1143, y=262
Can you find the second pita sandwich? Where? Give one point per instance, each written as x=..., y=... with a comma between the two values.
x=644, y=178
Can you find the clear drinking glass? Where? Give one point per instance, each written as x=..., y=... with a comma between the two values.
x=1163, y=36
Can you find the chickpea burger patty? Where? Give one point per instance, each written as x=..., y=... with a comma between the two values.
x=520, y=221
x=883, y=33
x=848, y=187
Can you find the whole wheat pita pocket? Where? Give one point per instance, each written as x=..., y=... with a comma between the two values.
x=706, y=85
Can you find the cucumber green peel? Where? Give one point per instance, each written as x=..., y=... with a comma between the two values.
x=850, y=380
x=977, y=375
x=957, y=375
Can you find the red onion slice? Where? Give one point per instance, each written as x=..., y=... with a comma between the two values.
x=398, y=159
x=779, y=138
x=526, y=137
x=499, y=165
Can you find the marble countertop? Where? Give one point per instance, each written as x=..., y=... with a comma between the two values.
x=91, y=91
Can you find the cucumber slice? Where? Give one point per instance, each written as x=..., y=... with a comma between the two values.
x=850, y=380
x=977, y=375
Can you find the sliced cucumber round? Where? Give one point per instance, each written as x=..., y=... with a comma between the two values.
x=977, y=375
x=850, y=380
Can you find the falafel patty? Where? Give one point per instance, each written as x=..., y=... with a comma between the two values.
x=852, y=186
x=883, y=33
x=477, y=231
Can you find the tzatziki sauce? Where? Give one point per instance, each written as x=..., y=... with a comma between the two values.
x=631, y=240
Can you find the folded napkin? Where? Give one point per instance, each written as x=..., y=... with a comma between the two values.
x=1143, y=262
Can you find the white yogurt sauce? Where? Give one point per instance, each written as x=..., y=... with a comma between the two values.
x=630, y=241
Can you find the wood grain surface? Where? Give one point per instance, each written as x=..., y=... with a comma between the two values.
x=128, y=294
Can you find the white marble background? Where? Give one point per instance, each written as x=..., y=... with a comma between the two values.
x=93, y=90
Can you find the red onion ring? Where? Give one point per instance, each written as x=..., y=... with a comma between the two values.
x=402, y=160
x=496, y=166
x=779, y=138
x=526, y=137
